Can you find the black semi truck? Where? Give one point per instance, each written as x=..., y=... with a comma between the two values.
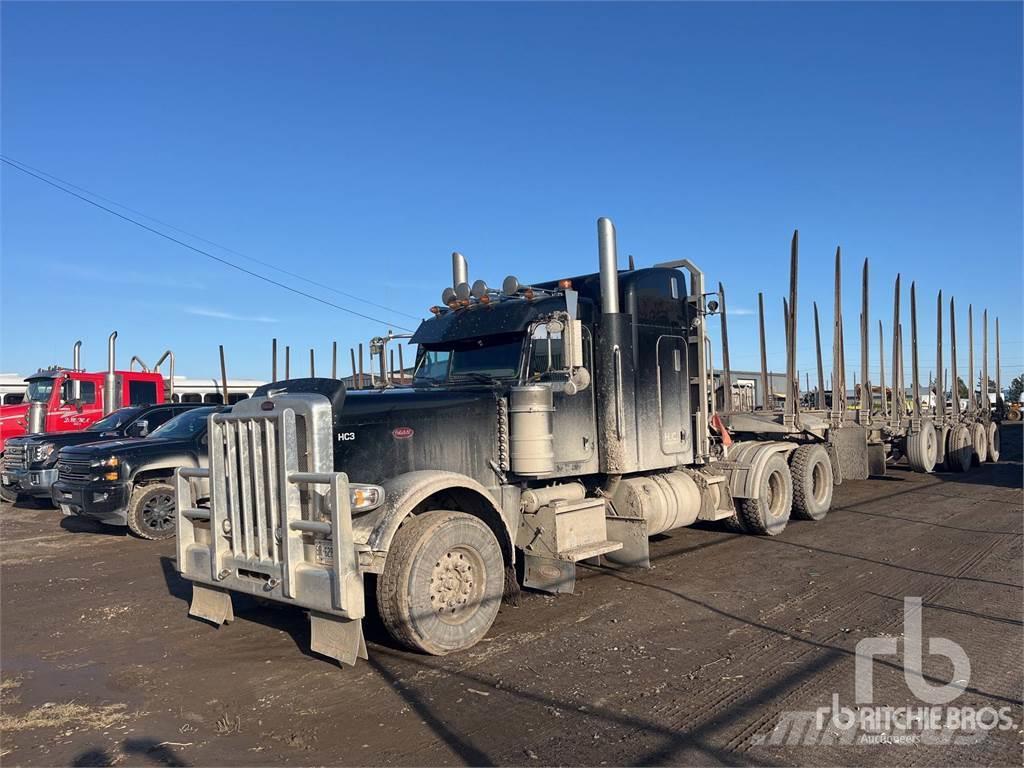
x=545, y=425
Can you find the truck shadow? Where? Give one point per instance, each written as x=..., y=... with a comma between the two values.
x=74, y=524
x=141, y=751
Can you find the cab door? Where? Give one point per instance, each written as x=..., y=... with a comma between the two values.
x=77, y=405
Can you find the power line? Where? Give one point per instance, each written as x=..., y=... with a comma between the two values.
x=41, y=176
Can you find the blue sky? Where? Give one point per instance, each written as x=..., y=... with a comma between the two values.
x=359, y=145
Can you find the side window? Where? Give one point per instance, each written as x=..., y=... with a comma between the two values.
x=86, y=391
x=191, y=397
x=546, y=353
x=213, y=399
x=235, y=397
x=142, y=392
x=155, y=418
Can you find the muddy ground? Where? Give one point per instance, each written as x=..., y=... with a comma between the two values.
x=692, y=662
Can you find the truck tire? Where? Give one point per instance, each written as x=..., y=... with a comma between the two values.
x=442, y=582
x=813, y=482
x=993, y=442
x=768, y=514
x=11, y=497
x=979, y=442
x=958, y=449
x=922, y=447
x=151, y=513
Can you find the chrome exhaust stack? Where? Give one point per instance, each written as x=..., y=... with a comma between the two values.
x=167, y=355
x=609, y=264
x=460, y=270
x=110, y=379
x=76, y=363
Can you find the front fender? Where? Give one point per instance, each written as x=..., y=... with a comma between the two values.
x=407, y=491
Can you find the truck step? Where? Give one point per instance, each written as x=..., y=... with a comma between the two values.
x=588, y=550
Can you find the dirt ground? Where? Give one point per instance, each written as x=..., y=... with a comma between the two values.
x=696, y=661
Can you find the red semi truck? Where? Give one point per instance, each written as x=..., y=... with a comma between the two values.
x=69, y=399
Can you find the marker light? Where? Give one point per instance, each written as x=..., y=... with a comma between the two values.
x=365, y=497
x=529, y=294
x=565, y=285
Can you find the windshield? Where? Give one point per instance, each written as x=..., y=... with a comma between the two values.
x=187, y=424
x=477, y=360
x=116, y=420
x=39, y=390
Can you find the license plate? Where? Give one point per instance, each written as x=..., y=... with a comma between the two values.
x=324, y=552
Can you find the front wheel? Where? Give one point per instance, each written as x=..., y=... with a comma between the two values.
x=442, y=582
x=151, y=513
x=9, y=495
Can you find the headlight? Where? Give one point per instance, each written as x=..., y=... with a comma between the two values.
x=365, y=497
x=113, y=465
x=44, y=451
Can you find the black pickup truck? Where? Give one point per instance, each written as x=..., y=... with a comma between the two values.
x=131, y=482
x=30, y=462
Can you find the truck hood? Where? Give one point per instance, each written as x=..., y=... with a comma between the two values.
x=62, y=439
x=127, y=449
x=13, y=419
x=381, y=434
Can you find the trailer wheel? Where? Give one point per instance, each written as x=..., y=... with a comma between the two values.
x=151, y=513
x=442, y=582
x=813, y=482
x=993, y=442
x=979, y=442
x=922, y=447
x=769, y=514
x=958, y=449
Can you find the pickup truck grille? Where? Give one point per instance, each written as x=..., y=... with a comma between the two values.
x=15, y=457
x=74, y=470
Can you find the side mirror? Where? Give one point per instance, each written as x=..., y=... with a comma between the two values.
x=139, y=429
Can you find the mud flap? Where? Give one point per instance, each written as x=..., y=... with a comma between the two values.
x=636, y=551
x=214, y=605
x=851, y=446
x=876, y=460
x=337, y=638
x=548, y=574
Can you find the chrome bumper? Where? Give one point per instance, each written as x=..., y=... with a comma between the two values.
x=279, y=522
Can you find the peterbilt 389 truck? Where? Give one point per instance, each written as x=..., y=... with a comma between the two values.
x=548, y=424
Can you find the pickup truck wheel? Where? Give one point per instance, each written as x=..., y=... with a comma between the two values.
x=442, y=582
x=151, y=513
x=813, y=482
x=769, y=514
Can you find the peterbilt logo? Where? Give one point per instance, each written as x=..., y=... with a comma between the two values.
x=402, y=433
